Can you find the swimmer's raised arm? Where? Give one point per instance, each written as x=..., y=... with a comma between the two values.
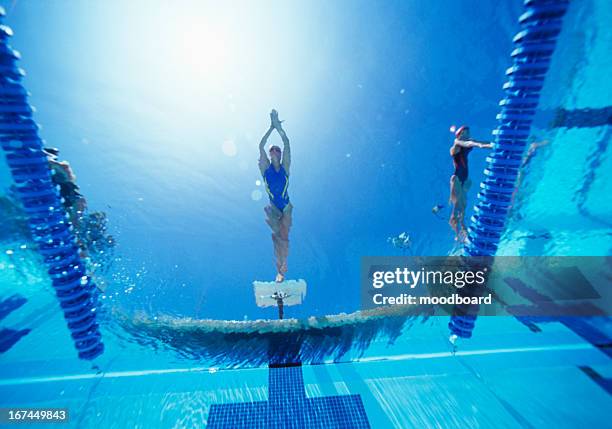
x=468, y=144
x=264, y=161
x=277, y=123
x=286, y=161
x=473, y=143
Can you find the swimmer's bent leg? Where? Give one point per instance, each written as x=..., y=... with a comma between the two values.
x=455, y=189
x=463, y=205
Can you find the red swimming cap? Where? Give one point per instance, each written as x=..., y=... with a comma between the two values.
x=460, y=130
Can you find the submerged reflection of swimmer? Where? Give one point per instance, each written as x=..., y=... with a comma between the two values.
x=460, y=182
x=275, y=173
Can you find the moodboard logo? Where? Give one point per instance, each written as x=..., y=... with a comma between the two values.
x=534, y=286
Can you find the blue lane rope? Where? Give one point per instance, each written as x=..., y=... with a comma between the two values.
x=534, y=46
x=40, y=197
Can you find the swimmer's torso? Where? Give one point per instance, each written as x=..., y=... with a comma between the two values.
x=460, y=161
x=277, y=183
x=63, y=178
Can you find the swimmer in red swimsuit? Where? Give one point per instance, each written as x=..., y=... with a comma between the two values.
x=460, y=182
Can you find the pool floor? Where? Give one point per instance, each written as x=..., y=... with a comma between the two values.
x=506, y=376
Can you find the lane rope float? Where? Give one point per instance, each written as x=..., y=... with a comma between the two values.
x=47, y=218
x=534, y=46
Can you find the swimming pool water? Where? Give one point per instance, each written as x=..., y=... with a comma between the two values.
x=368, y=92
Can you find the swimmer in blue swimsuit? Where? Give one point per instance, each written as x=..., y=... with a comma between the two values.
x=275, y=173
x=460, y=182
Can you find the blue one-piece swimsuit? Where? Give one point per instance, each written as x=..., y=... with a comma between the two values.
x=277, y=183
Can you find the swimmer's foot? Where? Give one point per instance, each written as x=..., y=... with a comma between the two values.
x=452, y=339
x=461, y=237
x=280, y=278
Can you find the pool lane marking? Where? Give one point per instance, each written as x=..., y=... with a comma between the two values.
x=122, y=374
x=481, y=352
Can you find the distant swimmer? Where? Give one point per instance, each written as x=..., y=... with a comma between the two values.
x=275, y=173
x=63, y=176
x=531, y=152
x=90, y=228
x=529, y=155
x=525, y=165
x=460, y=183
